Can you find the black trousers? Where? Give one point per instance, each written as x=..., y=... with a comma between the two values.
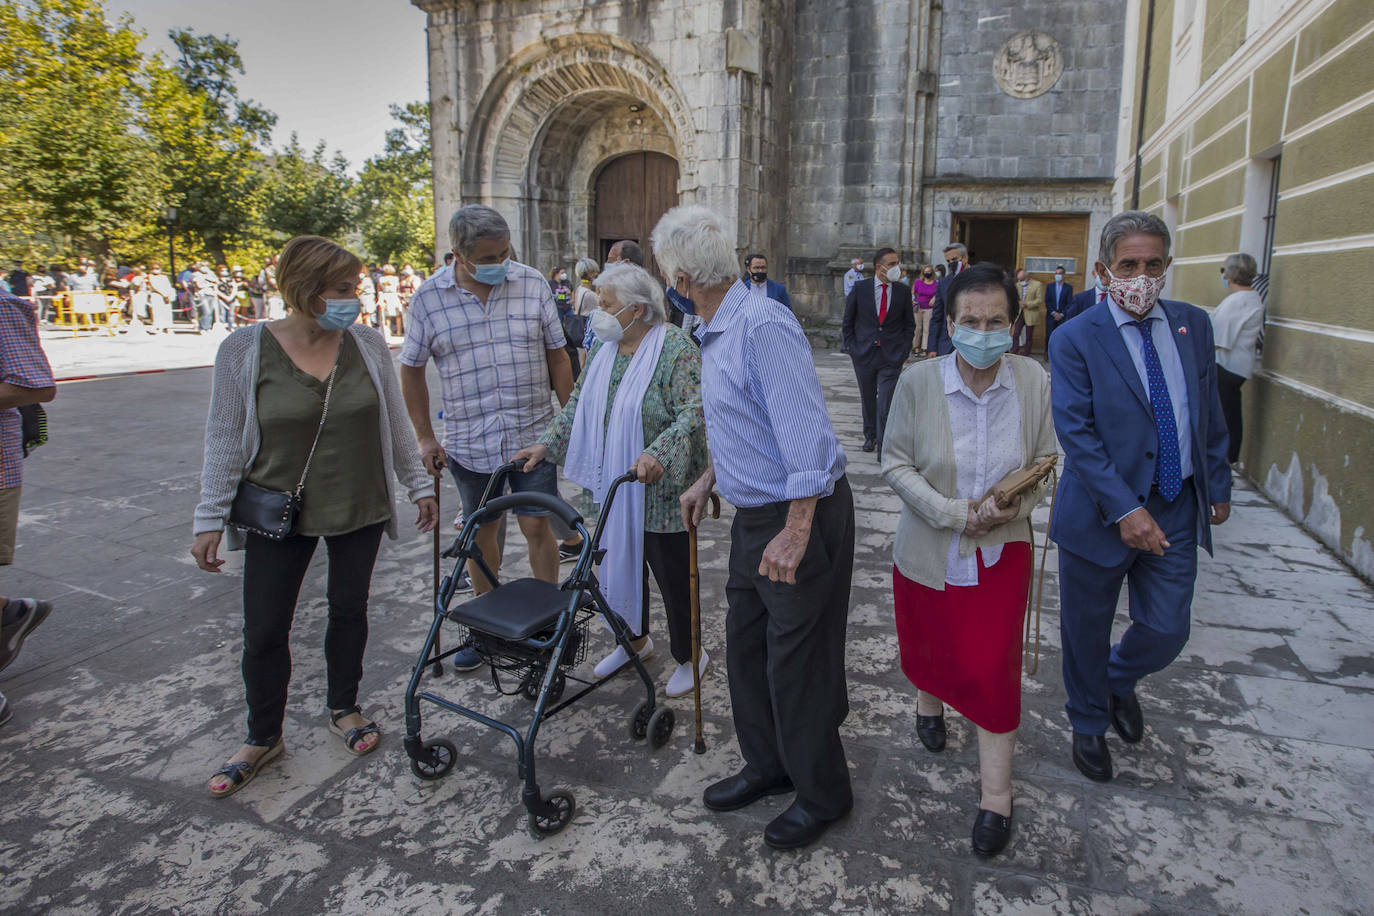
x=272, y=576
x=785, y=653
x=1228, y=390
x=668, y=556
x=877, y=381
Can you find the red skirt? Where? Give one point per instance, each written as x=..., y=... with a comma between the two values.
x=963, y=644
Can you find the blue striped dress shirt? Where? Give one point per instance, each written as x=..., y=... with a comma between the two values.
x=770, y=435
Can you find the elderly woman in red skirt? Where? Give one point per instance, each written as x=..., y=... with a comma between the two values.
x=958, y=425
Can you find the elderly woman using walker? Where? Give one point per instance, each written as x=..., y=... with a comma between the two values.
x=962, y=571
x=636, y=405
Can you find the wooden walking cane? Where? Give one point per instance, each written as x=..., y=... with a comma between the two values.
x=437, y=669
x=694, y=581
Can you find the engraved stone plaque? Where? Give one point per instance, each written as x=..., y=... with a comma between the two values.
x=1029, y=64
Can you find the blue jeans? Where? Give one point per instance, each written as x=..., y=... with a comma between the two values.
x=205, y=310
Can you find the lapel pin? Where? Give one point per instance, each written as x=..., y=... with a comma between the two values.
x=1183, y=330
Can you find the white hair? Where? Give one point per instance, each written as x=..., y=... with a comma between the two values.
x=633, y=285
x=690, y=240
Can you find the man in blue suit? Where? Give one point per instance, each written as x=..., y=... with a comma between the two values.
x=938, y=342
x=1058, y=304
x=1145, y=477
x=756, y=276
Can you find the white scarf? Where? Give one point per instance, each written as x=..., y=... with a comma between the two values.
x=595, y=459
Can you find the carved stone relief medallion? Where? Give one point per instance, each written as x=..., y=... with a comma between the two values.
x=1029, y=64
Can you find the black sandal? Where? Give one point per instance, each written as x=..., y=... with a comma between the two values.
x=241, y=772
x=354, y=736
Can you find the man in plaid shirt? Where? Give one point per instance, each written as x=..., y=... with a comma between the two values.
x=25, y=378
x=492, y=329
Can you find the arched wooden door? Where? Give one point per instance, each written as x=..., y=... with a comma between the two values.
x=632, y=193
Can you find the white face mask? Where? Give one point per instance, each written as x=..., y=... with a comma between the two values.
x=894, y=273
x=605, y=326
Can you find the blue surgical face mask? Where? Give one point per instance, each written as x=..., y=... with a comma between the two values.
x=980, y=349
x=491, y=274
x=680, y=302
x=339, y=313
x=1224, y=285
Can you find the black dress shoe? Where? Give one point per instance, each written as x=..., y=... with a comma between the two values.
x=737, y=791
x=1091, y=756
x=869, y=445
x=795, y=827
x=931, y=731
x=1126, y=717
x=990, y=832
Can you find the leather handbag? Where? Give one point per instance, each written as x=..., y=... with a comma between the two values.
x=1019, y=481
x=272, y=513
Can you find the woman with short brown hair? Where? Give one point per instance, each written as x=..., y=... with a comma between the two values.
x=306, y=404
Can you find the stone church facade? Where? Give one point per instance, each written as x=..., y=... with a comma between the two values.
x=817, y=131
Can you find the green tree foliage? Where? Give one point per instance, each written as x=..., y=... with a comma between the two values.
x=209, y=141
x=394, y=192
x=98, y=140
x=75, y=172
x=308, y=195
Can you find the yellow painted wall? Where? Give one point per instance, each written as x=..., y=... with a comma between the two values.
x=1309, y=98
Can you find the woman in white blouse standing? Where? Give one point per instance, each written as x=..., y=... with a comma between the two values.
x=962, y=572
x=1236, y=323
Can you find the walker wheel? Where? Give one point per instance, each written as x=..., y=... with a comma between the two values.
x=661, y=727
x=529, y=685
x=445, y=753
x=548, y=825
x=639, y=722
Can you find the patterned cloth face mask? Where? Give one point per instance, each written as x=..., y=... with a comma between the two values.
x=1137, y=295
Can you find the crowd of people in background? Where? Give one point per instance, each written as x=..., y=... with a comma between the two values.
x=201, y=297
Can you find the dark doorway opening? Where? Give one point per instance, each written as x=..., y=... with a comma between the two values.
x=990, y=239
x=632, y=193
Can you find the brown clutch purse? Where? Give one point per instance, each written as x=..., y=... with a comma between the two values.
x=1019, y=481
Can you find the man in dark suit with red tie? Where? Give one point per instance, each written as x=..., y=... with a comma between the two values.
x=879, y=328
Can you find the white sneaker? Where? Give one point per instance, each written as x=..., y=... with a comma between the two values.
x=619, y=657
x=681, y=681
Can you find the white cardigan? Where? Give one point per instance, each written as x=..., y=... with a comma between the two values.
x=918, y=463
x=232, y=436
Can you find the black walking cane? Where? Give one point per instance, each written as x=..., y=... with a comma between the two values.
x=694, y=583
x=437, y=669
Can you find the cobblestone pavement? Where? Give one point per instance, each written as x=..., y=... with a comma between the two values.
x=1251, y=792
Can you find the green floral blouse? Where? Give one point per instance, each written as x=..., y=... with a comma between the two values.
x=674, y=425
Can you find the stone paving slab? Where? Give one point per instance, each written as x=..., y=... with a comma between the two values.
x=1251, y=792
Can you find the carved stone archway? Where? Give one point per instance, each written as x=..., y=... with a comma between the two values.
x=551, y=116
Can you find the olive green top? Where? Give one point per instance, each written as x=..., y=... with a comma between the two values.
x=346, y=487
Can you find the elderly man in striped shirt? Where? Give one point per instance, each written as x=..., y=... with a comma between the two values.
x=776, y=459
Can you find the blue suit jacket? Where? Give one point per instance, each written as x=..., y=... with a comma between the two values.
x=937, y=339
x=772, y=289
x=779, y=292
x=1081, y=303
x=1106, y=427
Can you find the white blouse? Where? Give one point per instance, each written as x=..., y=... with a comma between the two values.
x=1236, y=325
x=987, y=447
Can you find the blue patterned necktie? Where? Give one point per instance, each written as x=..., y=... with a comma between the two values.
x=1167, y=469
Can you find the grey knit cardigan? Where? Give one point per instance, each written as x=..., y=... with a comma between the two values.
x=232, y=435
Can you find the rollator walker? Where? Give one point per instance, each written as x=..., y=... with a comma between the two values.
x=532, y=635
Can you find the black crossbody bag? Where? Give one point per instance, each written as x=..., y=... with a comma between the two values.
x=272, y=513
